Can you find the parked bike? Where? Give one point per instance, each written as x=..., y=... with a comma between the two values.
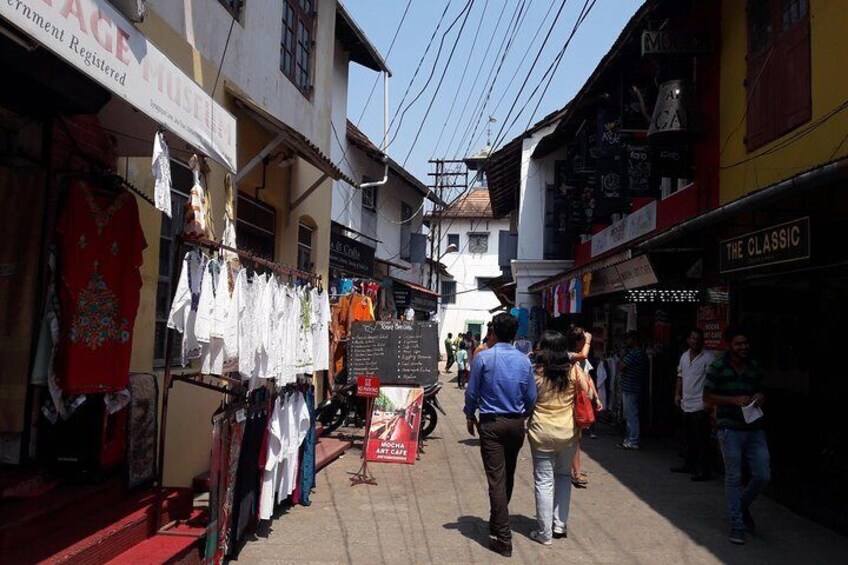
x=344, y=407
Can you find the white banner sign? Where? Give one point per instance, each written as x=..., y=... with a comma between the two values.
x=95, y=38
x=637, y=224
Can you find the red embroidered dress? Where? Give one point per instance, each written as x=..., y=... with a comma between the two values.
x=100, y=246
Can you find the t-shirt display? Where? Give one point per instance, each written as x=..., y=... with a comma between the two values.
x=100, y=243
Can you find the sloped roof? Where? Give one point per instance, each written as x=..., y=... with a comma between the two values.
x=361, y=49
x=360, y=140
x=474, y=204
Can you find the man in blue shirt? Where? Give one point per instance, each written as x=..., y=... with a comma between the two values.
x=503, y=391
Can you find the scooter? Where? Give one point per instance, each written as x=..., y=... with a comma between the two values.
x=345, y=406
x=429, y=416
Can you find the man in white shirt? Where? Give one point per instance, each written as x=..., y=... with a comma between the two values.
x=689, y=393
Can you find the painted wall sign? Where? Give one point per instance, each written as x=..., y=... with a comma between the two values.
x=351, y=256
x=101, y=43
x=784, y=243
x=675, y=42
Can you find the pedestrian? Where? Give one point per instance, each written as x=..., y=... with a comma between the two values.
x=487, y=343
x=578, y=477
x=634, y=372
x=735, y=381
x=449, y=353
x=552, y=431
x=503, y=391
x=462, y=365
x=524, y=345
x=689, y=396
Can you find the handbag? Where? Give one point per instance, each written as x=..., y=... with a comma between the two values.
x=584, y=411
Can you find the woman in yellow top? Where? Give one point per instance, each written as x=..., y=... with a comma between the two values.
x=552, y=432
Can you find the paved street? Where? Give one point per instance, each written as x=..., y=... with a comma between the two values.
x=634, y=511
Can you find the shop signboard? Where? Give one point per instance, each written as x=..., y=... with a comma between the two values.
x=712, y=319
x=636, y=224
x=351, y=256
x=636, y=272
x=367, y=386
x=395, y=425
x=784, y=243
x=397, y=352
x=406, y=296
x=100, y=42
x=630, y=274
x=675, y=42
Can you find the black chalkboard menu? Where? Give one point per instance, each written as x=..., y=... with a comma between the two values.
x=397, y=352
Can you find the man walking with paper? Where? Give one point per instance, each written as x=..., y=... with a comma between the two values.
x=502, y=389
x=734, y=385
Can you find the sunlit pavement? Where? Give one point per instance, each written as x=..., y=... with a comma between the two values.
x=634, y=511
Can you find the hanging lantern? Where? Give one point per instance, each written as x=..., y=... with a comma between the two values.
x=672, y=112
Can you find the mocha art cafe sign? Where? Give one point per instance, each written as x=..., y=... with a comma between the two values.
x=783, y=243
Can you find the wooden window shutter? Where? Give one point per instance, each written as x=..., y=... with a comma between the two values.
x=793, y=97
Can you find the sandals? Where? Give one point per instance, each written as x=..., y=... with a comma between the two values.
x=580, y=480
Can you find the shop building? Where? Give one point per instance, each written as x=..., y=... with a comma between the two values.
x=383, y=223
x=732, y=219
x=94, y=83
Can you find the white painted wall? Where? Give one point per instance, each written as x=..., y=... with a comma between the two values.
x=252, y=59
x=471, y=305
x=530, y=267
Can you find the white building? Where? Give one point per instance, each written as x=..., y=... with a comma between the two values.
x=385, y=217
x=467, y=301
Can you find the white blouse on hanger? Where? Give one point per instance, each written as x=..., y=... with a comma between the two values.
x=183, y=315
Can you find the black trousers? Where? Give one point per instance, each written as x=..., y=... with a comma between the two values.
x=450, y=361
x=501, y=439
x=696, y=426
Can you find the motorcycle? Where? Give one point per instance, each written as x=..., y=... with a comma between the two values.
x=345, y=407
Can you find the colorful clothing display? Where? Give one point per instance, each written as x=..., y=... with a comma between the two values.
x=100, y=243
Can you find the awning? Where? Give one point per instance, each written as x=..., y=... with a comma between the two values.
x=290, y=137
x=414, y=295
x=580, y=271
x=150, y=90
x=394, y=265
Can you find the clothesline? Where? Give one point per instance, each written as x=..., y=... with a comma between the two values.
x=250, y=257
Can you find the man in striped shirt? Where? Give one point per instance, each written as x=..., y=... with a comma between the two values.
x=634, y=374
x=732, y=382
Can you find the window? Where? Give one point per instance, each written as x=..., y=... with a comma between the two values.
x=233, y=7
x=485, y=283
x=369, y=198
x=405, y=229
x=778, y=72
x=296, y=43
x=478, y=242
x=453, y=239
x=304, y=247
x=182, y=181
x=448, y=292
x=256, y=227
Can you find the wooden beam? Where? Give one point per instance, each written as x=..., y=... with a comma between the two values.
x=308, y=192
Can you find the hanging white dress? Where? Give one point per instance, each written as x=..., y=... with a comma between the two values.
x=183, y=315
x=321, y=330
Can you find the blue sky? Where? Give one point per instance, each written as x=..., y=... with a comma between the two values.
x=447, y=131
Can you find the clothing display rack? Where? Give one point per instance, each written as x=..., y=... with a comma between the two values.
x=233, y=388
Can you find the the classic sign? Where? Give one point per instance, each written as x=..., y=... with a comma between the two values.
x=351, y=256
x=98, y=40
x=783, y=243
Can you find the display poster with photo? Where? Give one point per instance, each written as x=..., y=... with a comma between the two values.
x=395, y=425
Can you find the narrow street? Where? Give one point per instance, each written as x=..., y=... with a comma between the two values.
x=634, y=511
